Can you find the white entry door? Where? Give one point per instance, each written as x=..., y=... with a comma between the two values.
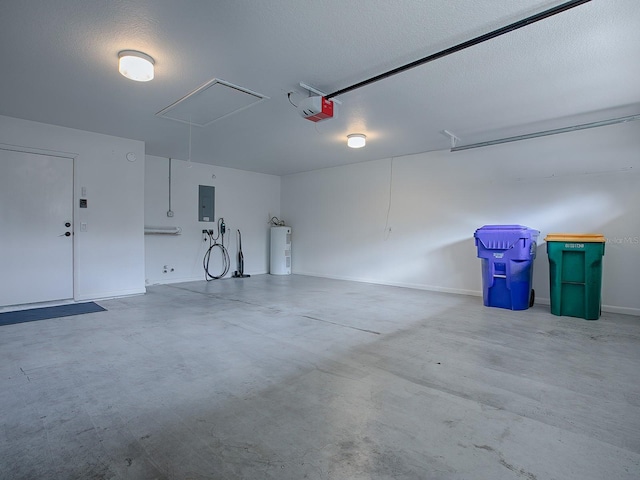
x=36, y=229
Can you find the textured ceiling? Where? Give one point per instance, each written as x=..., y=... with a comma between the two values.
x=59, y=66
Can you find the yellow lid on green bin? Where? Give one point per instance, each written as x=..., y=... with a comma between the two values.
x=576, y=237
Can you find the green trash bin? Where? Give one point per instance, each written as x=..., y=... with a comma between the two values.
x=575, y=274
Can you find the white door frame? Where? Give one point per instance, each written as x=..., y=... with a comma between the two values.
x=72, y=156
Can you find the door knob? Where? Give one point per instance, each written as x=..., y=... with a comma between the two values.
x=65, y=234
x=67, y=224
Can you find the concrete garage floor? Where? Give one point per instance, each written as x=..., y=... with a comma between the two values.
x=298, y=377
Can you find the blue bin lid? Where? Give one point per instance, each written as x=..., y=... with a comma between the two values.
x=504, y=237
x=503, y=227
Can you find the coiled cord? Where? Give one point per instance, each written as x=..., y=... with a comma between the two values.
x=213, y=242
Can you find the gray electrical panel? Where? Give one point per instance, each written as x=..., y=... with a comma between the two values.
x=206, y=203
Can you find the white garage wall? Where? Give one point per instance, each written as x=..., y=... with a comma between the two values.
x=585, y=181
x=246, y=200
x=109, y=256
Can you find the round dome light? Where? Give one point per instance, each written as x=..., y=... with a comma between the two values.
x=356, y=140
x=135, y=65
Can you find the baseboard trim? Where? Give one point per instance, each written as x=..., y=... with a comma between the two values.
x=415, y=286
x=458, y=291
x=108, y=295
x=171, y=281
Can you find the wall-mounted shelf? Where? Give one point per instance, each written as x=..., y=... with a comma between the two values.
x=148, y=230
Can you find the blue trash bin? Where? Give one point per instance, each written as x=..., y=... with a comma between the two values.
x=507, y=253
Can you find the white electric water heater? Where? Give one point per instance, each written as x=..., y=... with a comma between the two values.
x=280, y=263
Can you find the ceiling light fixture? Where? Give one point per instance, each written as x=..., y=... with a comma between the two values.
x=135, y=65
x=356, y=140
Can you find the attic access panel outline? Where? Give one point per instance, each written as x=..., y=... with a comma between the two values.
x=211, y=102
